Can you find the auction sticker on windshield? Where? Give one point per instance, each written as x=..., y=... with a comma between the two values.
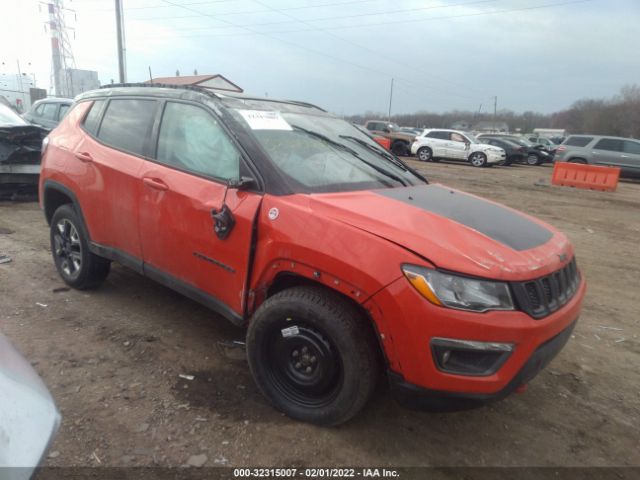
x=264, y=120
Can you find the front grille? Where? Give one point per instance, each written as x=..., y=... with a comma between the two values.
x=547, y=294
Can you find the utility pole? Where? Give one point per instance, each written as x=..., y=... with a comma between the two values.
x=122, y=61
x=495, y=110
x=390, y=100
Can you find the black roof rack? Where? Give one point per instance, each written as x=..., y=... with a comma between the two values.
x=210, y=93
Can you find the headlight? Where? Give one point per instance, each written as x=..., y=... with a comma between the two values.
x=463, y=293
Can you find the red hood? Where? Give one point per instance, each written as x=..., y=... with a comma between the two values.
x=453, y=230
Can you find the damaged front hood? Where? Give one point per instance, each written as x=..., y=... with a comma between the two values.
x=21, y=144
x=453, y=230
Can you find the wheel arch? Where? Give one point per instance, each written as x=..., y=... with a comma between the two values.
x=576, y=159
x=54, y=196
x=286, y=279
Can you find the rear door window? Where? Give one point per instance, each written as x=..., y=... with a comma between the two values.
x=191, y=139
x=578, y=141
x=609, y=144
x=127, y=124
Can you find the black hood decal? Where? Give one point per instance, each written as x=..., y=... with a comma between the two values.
x=496, y=222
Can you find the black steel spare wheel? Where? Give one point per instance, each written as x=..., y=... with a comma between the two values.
x=313, y=354
x=303, y=365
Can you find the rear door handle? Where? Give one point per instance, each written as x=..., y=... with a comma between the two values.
x=84, y=157
x=155, y=183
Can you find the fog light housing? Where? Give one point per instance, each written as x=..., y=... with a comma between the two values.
x=467, y=357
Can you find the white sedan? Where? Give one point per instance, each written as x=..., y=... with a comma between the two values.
x=435, y=144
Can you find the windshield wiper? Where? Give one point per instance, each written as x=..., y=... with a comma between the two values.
x=377, y=151
x=351, y=151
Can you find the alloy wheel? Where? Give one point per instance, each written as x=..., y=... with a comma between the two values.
x=67, y=248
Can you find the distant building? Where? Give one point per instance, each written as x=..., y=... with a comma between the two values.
x=15, y=89
x=461, y=125
x=487, y=126
x=214, y=82
x=79, y=81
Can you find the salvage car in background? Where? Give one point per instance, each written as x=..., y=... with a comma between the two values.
x=602, y=150
x=543, y=143
x=20, y=145
x=533, y=155
x=48, y=112
x=270, y=213
x=436, y=144
x=400, y=140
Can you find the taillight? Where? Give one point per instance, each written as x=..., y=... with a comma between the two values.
x=45, y=143
x=561, y=148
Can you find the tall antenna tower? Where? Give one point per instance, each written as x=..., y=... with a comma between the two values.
x=62, y=60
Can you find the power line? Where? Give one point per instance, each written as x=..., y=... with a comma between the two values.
x=251, y=12
x=296, y=45
x=324, y=19
x=362, y=47
x=416, y=20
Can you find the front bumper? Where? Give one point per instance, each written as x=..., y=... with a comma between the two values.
x=408, y=323
x=416, y=397
x=496, y=157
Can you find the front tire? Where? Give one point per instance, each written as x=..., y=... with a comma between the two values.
x=424, y=154
x=78, y=267
x=400, y=149
x=313, y=355
x=533, y=159
x=478, y=159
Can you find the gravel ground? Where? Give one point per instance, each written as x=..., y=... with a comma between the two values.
x=112, y=359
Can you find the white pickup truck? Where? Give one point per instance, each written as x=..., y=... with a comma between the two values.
x=435, y=144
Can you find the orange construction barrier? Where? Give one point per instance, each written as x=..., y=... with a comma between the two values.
x=579, y=175
x=385, y=142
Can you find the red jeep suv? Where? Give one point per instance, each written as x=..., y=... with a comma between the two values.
x=339, y=258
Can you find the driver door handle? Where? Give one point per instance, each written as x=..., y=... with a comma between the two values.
x=155, y=183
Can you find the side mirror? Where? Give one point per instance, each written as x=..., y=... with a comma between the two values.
x=242, y=183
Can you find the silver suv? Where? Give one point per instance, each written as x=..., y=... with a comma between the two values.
x=601, y=150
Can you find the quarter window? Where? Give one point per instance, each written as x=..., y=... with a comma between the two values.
x=93, y=117
x=49, y=111
x=632, y=147
x=609, y=144
x=63, y=111
x=191, y=139
x=127, y=124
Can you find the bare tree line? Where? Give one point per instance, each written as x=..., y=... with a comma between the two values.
x=618, y=116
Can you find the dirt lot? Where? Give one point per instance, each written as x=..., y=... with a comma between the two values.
x=111, y=358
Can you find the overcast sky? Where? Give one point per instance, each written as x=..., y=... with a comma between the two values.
x=342, y=54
